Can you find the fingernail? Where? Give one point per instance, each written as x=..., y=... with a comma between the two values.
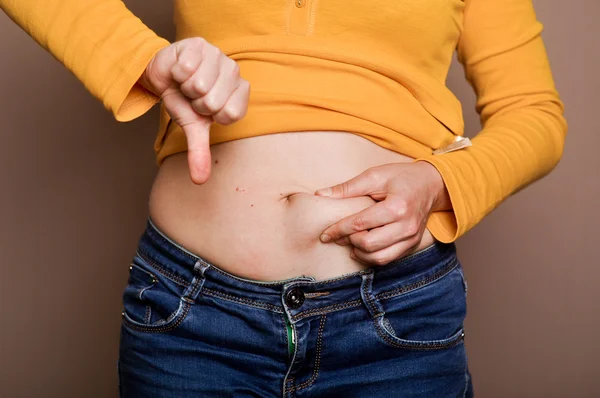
x=325, y=192
x=325, y=238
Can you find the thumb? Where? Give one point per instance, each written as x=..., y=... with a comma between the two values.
x=361, y=185
x=197, y=132
x=198, y=142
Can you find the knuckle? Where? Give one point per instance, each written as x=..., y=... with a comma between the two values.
x=210, y=103
x=333, y=233
x=197, y=41
x=242, y=112
x=227, y=64
x=197, y=106
x=412, y=227
x=219, y=118
x=232, y=112
x=369, y=245
x=200, y=86
x=235, y=69
x=358, y=224
x=345, y=188
x=187, y=65
x=216, y=51
x=398, y=208
x=372, y=174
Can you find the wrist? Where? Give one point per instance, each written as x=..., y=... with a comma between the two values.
x=143, y=81
x=437, y=187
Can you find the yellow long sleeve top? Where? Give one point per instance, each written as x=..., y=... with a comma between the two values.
x=375, y=68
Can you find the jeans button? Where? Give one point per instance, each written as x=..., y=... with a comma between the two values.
x=294, y=298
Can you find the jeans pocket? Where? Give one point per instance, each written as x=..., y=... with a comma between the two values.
x=152, y=302
x=426, y=318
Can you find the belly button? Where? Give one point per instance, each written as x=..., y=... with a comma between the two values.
x=286, y=198
x=289, y=197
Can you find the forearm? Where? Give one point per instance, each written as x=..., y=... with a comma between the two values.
x=100, y=41
x=524, y=129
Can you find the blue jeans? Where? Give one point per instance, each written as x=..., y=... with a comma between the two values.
x=191, y=329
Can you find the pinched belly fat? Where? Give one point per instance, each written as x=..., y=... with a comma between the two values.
x=257, y=216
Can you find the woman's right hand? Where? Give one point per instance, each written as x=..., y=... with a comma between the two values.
x=198, y=84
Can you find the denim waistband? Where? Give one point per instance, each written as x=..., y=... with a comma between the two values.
x=403, y=274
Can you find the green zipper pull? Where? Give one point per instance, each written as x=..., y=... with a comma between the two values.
x=290, y=335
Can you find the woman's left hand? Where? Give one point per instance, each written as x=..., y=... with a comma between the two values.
x=406, y=194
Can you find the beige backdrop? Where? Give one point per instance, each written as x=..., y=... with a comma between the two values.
x=73, y=204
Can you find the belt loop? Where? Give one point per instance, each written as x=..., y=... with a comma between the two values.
x=366, y=293
x=200, y=267
x=195, y=287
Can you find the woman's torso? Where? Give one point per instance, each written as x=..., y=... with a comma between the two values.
x=257, y=216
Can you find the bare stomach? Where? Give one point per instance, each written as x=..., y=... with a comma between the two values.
x=257, y=216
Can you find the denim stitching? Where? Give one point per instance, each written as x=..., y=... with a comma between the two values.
x=415, y=285
x=241, y=300
x=195, y=289
x=166, y=273
x=369, y=295
x=380, y=296
x=148, y=314
x=147, y=287
x=424, y=346
x=182, y=316
x=316, y=294
x=289, y=391
x=396, y=262
x=327, y=309
x=409, y=288
x=150, y=274
x=288, y=382
x=345, y=276
x=174, y=278
x=179, y=249
x=317, y=356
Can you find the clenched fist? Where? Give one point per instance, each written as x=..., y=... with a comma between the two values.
x=198, y=84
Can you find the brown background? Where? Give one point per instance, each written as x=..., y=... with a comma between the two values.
x=73, y=204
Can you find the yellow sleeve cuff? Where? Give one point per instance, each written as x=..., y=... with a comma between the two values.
x=446, y=226
x=127, y=99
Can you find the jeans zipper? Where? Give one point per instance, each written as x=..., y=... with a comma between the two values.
x=291, y=336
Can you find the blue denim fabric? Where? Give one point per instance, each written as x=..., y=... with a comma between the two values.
x=191, y=329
